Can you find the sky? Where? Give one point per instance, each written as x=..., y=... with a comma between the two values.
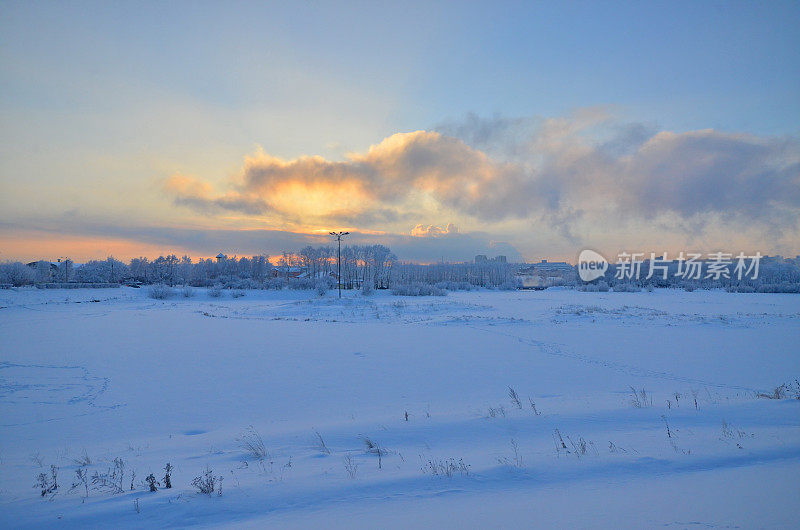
x=443, y=130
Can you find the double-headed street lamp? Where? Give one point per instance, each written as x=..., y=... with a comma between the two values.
x=339, y=236
x=66, y=268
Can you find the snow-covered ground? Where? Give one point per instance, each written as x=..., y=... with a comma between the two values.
x=87, y=376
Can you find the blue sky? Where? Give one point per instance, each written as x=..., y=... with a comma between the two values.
x=105, y=104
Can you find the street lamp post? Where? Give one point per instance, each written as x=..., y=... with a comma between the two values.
x=339, y=236
x=66, y=268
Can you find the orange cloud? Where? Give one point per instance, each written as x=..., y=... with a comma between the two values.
x=432, y=231
x=375, y=185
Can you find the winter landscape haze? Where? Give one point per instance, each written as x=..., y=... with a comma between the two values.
x=418, y=264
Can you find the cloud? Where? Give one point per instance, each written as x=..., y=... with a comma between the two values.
x=592, y=164
x=199, y=195
x=627, y=138
x=741, y=176
x=560, y=174
x=388, y=175
x=497, y=135
x=433, y=231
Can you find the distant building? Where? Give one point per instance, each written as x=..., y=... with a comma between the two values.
x=221, y=257
x=289, y=272
x=482, y=258
x=545, y=265
x=546, y=274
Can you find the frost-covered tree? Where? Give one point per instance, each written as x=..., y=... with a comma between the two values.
x=16, y=273
x=44, y=272
x=109, y=270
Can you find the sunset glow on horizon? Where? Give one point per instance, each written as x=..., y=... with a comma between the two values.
x=128, y=132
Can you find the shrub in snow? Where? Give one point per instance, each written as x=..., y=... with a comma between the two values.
x=445, y=467
x=207, y=483
x=321, y=446
x=512, y=394
x=497, y=412
x=740, y=289
x=784, y=287
x=82, y=481
x=245, y=283
x=168, y=476
x=366, y=288
x=160, y=292
x=641, y=399
x=48, y=483
x=275, y=284
x=510, y=285
x=784, y=391
x=301, y=284
x=187, y=291
x=113, y=479
x=626, y=288
x=237, y=294
x=516, y=460
x=417, y=289
x=599, y=287
x=215, y=292
x=321, y=287
x=455, y=286
x=251, y=442
x=83, y=460
x=152, y=482
x=350, y=466
x=374, y=448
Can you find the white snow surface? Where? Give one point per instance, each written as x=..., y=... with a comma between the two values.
x=108, y=374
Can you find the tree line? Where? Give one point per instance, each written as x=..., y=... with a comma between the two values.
x=374, y=265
